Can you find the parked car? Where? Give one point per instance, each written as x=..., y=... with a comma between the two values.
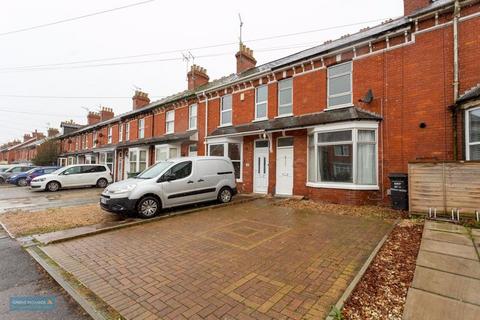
x=40, y=172
x=24, y=178
x=78, y=175
x=12, y=171
x=4, y=167
x=172, y=183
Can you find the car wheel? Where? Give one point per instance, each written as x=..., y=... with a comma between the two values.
x=22, y=182
x=148, y=207
x=102, y=183
x=53, y=186
x=2, y=181
x=225, y=195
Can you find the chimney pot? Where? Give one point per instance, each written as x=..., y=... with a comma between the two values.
x=197, y=76
x=140, y=99
x=245, y=58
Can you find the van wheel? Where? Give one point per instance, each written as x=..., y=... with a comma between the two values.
x=148, y=207
x=225, y=195
x=102, y=183
x=22, y=182
x=53, y=186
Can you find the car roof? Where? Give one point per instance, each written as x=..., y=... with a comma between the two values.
x=181, y=159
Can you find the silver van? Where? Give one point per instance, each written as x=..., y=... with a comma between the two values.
x=172, y=183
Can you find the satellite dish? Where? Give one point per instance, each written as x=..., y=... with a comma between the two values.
x=368, y=97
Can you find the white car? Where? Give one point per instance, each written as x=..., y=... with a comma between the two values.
x=78, y=175
x=172, y=183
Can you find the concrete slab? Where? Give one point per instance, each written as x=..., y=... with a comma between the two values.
x=422, y=305
x=457, y=238
x=438, y=261
x=476, y=232
x=439, y=282
x=467, y=252
x=448, y=227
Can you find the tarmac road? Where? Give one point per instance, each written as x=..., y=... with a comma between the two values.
x=20, y=275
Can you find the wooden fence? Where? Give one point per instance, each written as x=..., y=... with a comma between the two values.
x=444, y=186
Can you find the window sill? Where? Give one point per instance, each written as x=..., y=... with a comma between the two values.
x=284, y=115
x=260, y=120
x=348, y=105
x=192, y=129
x=345, y=186
x=225, y=125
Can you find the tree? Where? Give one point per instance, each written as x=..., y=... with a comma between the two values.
x=47, y=153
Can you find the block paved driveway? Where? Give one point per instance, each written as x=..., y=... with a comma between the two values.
x=246, y=261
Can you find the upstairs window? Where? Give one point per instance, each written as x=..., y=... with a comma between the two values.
x=340, y=85
x=127, y=131
x=141, y=128
x=226, y=111
x=170, y=121
x=285, y=97
x=261, y=102
x=110, y=135
x=120, y=132
x=95, y=139
x=192, y=117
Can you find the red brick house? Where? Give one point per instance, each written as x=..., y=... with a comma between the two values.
x=24, y=152
x=330, y=122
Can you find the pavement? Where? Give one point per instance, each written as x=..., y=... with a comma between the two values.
x=14, y=198
x=20, y=275
x=252, y=260
x=446, y=284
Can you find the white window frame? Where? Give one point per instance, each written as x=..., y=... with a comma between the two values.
x=95, y=138
x=190, y=152
x=225, y=142
x=141, y=128
x=263, y=102
x=227, y=110
x=137, y=162
x=192, y=116
x=110, y=135
x=127, y=131
x=284, y=105
x=120, y=132
x=167, y=148
x=170, y=121
x=348, y=104
x=355, y=127
x=468, y=143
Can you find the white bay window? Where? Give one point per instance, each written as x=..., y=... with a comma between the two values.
x=231, y=148
x=343, y=156
x=472, y=134
x=166, y=151
x=137, y=160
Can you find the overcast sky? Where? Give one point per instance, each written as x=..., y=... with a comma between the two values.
x=151, y=28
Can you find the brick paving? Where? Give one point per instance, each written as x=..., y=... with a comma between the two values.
x=248, y=261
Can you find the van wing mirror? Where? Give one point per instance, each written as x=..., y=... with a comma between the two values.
x=168, y=177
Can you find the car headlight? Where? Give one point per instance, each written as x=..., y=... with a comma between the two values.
x=39, y=179
x=124, y=189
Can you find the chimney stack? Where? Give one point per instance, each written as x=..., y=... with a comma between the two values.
x=93, y=117
x=26, y=137
x=197, y=76
x=52, y=132
x=245, y=59
x=106, y=114
x=410, y=6
x=140, y=99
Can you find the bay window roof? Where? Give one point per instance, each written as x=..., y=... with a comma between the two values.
x=303, y=121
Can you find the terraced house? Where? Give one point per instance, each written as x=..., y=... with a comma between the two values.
x=331, y=122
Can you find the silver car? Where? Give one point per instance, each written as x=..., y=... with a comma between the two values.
x=172, y=183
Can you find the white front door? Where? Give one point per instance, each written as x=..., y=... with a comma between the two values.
x=284, y=183
x=260, y=167
x=120, y=167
